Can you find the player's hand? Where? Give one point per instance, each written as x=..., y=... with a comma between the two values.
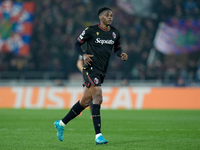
x=87, y=59
x=124, y=56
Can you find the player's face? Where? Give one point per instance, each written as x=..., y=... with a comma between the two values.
x=107, y=17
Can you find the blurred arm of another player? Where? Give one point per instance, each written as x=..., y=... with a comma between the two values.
x=79, y=63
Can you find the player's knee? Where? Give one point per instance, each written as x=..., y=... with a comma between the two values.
x=97, y=95
x=98, y=99
x=85, y=103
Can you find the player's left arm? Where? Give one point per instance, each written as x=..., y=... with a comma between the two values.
x=118, y=51
x=124, y=56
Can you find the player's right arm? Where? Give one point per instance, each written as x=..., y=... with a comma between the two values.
x=78, y=48
x=86, y=57
x=84, y=37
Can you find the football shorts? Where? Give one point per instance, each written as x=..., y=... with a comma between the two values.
x=93, y=77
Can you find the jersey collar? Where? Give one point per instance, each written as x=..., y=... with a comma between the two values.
x=102, y=28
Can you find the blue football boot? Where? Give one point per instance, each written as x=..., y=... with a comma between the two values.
x=60, y=130
x=101, y=140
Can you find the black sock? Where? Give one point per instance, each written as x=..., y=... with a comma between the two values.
x=74, y=111
x=96, y=118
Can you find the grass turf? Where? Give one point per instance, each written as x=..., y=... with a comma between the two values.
x=124, y=129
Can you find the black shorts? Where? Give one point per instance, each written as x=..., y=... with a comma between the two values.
x=92, y=76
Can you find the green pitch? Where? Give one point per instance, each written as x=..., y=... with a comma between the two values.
x=24, y=129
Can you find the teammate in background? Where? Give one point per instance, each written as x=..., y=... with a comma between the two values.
x=101, y=39
x=79, y=65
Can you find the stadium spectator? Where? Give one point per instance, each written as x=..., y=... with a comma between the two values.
x=180, y=82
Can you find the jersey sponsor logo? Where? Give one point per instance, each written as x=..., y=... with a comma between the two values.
x=96, y=81
x=98, y=40
x=114, y=35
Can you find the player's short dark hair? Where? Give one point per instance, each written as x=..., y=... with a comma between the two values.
x=102, y=9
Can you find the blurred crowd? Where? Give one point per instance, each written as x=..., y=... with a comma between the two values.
x=58, y=23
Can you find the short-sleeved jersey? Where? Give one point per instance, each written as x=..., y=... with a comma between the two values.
x=80, y=57
x=100, y=43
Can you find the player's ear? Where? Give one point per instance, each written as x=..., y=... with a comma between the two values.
x=100, y=17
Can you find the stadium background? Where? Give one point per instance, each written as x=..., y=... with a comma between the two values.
x=163, y=44
x=57, y=24
x=44, y=75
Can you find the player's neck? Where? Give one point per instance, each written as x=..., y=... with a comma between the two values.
x=103, y=26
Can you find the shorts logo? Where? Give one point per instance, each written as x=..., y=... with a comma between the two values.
x=96, y=81
x=114, y=35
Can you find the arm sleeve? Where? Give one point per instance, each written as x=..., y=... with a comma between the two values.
x=118, y=51
x=80, y=57
x=117, y=46
x=78, y=48
x=83, y=37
